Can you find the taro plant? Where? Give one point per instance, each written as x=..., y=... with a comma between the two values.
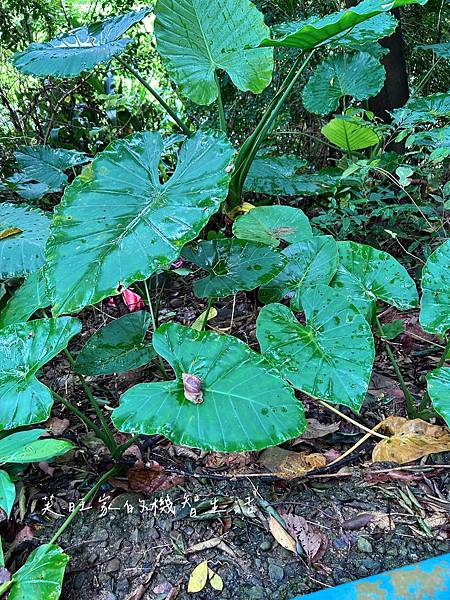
x=146, y=200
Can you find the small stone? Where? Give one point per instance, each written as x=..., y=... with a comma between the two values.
x=257, y=592
x=276, y=573
x=112, y=566
x=266, y=546
x=364, y=545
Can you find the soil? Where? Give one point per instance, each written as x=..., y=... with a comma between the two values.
x=139, y=539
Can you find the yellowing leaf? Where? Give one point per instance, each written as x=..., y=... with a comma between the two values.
x=197, y=324
x=215, y=580
x=411, y=440
x=242, y=209
x=198, y=578
x=289, y=464
x=10, y=231
x=284, y=538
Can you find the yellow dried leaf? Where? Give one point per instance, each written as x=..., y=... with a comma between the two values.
x=289, y=465
x=242, y=209
x=198, y=578
x=10, y=231
x=284, y=538
x=215, y=580
x=198, y=323
x=410, y=440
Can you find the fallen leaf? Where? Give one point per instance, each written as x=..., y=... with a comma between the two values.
x=198, y=323
x=436, y=520
x=151, y=477
x=57, y=426
x=234, y=462
x=289, y=465
x=198, y=578
x=313, y=541
x=9, y=232
x=46, y=468
x=357, y=522
x=410, y=440
x=5, y=575
x=315, y=429
x=205, y=545
x=281, y=535
x=163, y=588
x=215, y=580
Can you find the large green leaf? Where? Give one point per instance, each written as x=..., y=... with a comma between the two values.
x=199, y=37
x=23, y=252
x=26, y=447
x=364, y=36
x=330, y=357
x=339, y=76
x=7, y=492
x=350, y=133
x=30, y=297
x=425, y=109
x=434, y=314
x=270, y=224
x=20, y=183
x=438, y=385
x=317, y=30
x=79, y=50
x=41, y=576
x=439, y=137
x=365, y=275
x=442, y=50
x=47, y=165
x=117, y=347
x=308, y=263
x=232, y=266
x=118, y=224
x=24, y=349
x=246, y=405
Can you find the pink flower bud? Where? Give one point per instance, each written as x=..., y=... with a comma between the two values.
x=133, y=301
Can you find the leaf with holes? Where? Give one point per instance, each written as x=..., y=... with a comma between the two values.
x=117, y=347
x=26, y=447
x=438, y=386
x=350, y=134
x=434, y=314
x=244, y=404
x=318, y=30
x=339, y=76
x=47, y=165
x=197, y=38
x=308, y=263
x=365, y=275
x=24, y=349
x=30, y=297
x=270, y=224
x=79, y=50
x=22, y=253
x=330, y=357
x=117, y=223
x=232, y=266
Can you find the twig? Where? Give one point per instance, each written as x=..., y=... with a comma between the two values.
x=350, y=420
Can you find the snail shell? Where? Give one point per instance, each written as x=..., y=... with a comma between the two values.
x=192, y=386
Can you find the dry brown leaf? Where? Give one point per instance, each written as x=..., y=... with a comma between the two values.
x=315, y=429
x=281, y=535
x=9, y=232
x=436, y=520
x=205, y=545
x=313, y=541
x=289, y=465
x=410, y=440
x=151, y=478
x=57, y=426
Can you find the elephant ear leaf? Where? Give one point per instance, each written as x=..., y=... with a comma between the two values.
x=318, y=30
x=30, y=297
x=117, y=223
x=340, y=76
x=79, y=50
x=350, y=133
x=365, y=275
x=199, y=37
x=438, y=386
x=23, y=235
x=330, y=357
x=434, y=314
x=7, y=492
x=270, y=224
x=26, y=447
x=41, y=576
x=226, y=397
x=233, y=266
x=24, y=349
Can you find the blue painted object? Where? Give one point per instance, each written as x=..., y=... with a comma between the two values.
x=427, y=580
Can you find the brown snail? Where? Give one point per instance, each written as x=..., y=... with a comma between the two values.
x=192, y=386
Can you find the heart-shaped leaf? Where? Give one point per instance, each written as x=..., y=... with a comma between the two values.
x=340, y=76
x=30, y=297
x=365, y=275
x=330, y=357
x=232, y=266
x=7, y=493
x=350, y=134
x=434, y=314
x=47, y=165
x=118, y=224
x=317, y=30
x=308, y=263
x=22, y=253
x=117, y=347
x=24, y=349
x=364, y=36
x=26, y=447
x=79, y=50
x=438, y=386
x=270, y=224
x=198, y=38
x=41, y=576
x=244, y=403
